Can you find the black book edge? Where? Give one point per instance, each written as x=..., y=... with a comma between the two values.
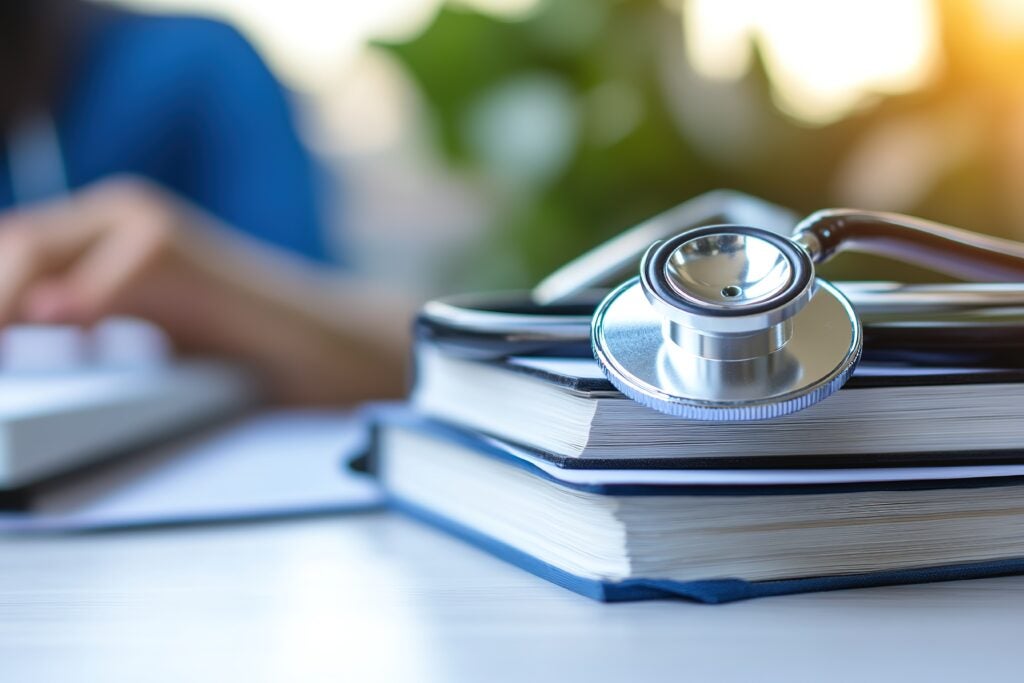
x=958, y=376
x=385, y=416
x=859, y=380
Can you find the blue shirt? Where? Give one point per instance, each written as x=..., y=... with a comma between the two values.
x=188, y=103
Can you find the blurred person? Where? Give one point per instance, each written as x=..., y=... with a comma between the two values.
x=153, y=169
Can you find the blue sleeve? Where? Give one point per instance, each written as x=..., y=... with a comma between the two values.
x=249, y=167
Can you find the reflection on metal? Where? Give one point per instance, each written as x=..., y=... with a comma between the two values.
x=818, y=358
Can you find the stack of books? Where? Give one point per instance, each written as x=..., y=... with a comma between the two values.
x=905, y=475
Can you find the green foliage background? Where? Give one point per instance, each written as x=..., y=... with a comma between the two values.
x=605, y=187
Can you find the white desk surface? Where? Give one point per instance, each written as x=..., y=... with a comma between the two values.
x=376, y=597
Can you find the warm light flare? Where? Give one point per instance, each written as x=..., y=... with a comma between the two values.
x=824, y=57
x=1004, y=17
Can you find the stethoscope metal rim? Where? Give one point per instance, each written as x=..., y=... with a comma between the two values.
x=654, y=263
x=823, y=352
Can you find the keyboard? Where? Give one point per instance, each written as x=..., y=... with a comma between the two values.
x=70, y=396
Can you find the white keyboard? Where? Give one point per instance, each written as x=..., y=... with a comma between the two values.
x=70, y=396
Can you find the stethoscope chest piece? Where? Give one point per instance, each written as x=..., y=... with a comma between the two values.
x=726, y=323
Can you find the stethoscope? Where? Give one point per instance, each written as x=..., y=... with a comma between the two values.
x=727, y=320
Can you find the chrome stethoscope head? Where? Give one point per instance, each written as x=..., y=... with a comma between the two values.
x=727, y=322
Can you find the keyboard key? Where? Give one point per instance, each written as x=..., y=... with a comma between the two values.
x=130, y=343
x=43, y=349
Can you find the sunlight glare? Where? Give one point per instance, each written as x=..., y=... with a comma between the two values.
x=718, y=37
x=1004, y=16
x=824, y=58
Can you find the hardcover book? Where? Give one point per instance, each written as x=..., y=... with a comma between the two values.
x=712, y=535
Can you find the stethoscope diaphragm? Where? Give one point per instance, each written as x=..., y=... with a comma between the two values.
x=644, y=363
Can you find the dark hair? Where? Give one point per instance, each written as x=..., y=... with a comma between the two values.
x=36, y=37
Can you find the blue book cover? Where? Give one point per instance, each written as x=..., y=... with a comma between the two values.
x=713, y=589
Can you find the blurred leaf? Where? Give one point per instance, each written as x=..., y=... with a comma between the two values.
x=459, y=55
x=629, y=154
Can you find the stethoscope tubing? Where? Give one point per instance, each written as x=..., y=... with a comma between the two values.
x=975, y=323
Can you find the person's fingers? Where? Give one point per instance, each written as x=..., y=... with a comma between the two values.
x=69, y=260
x=101, y=276
x=32, y=245
x=43, y=302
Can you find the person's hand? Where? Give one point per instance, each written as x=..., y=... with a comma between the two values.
x=84, y=257
x=125, y=246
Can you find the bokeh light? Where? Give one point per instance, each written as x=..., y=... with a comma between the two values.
x=461, y=129
x=824, y=58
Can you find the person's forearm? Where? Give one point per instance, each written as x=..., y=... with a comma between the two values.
x=339, y=351
x=314, y=336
